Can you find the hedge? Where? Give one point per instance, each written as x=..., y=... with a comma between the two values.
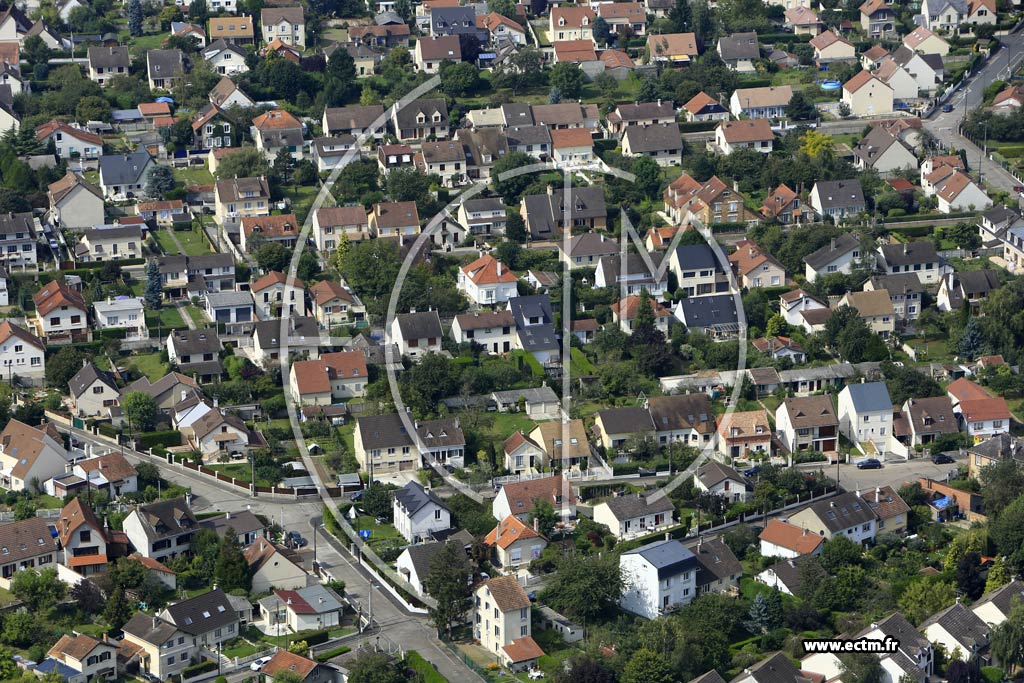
x=620, y=468
x=728, y=227
x=316, y=637
x=165, y=439
x=107, y=429
x=197, y=669
x=331, y=654
x=784, y=38
x=425, y=669
x=698, y=126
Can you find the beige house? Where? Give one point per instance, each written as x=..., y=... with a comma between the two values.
x=29, y=545
x=93, y=391
x=514, y=543
x=109, y=244
x=875, y=308
x=162, y=648
x=75, y=202
x=334, y=304
x=866, y=95
x=287, y=24
x=830, y=47
x=566, y=443
x=571, y=23
x=235, y=198
x=925, y=42
x=501, y=622
x=615, y=427
x=30, y=453
x=274, y=567
x=89, y=659
x=332, y=378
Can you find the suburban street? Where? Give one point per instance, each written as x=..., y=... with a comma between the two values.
x=895, y=472
x=945, y=125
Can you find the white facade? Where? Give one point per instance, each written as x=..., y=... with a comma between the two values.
x=863, y=426
x=23, y=358
x=423, y=522
x=647, y=595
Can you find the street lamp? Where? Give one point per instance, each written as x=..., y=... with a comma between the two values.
x=316, y=565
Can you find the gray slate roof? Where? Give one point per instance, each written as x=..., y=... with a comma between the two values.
x=830, y=252
x=419, y=325
x=668, y=557
x=840, y=194
x=627, y=420
x=960, y=622
x=717, y=561
x=870, y=396
x=659, y=138
x=123, y=169
x=739, y=46
x=383, y=431
x=842, y=512
x=637, y=504
x=413, y=497
x=202, y=613
x=88, y=375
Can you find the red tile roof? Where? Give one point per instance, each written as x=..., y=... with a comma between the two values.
x=791, y=537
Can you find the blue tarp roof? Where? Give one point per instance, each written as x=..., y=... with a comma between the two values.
x=941, y=503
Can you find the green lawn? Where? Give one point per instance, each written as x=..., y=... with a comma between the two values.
x=167, y=317
x=143, y=44
x=579, y=364
x=193, y=175
x=197, y=314
x=150, y=365
x=163, y=238
x=194, y=242
x=381, y=535
x=242, y=471
x=240, y=647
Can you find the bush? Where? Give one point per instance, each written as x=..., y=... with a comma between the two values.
x=164, y=439
x=331, y=654
x=316, y=637
x=992, y=674
x=196, y=669
x=621, y=468
x=424, y=668
x=107, y=429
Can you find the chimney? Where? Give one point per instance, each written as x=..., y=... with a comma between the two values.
x=227, y=515
x=832, y=244
x=735, y=186
x=499, y=268
x=858, y=493
x=536, y=526
x=906, y=248
x=878, y=492
x=155, y=624
x=831, y=503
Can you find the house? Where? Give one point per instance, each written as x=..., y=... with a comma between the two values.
x=744, y=433
x=75, y=203
x=362, y=122
x=959, y=630
x=684, y=418
x=106, y=63
x=518, y=498
x=109, y=243
x=384, y=36
x=657, y=578
x=417, y=333
x=754, y=268
x=842, y=515
x=239, y=29
x=330, y=223
x=196, y=352
x=982, y=418
x=540, y=403
x=718, y=568
x=586, y=250
x=753, y=134
x=865, y=415
x=632, y=275
x=739, y=51
x=486, y=281
x=230, y=307
x=84, y=540
x=873, y=57
x=919, y=257
x=513, y=543
x=571, y=23
x=635, y=514
x=333, y=377
x=661, y=142
x=163, y=649
x=534, y=140
x=874, y=308
x=837, y=199
x=617, y=427
x=761, y=103
x=165, y=68
x=830, y=47
x=125, y=175
x=626, y=310
x=69, y=141
x=924, y=41
x=334, y=304
x=241, y=197
x=483, y=216
x=981, y=12
x=788, y=541
x=890, y=509
x=551, y=437
x=384, y=439
x=430, y=52
x=213, y=128
x=454, y=21
x=287, y=24
x=783, y=205
x=301, y=332
x=93, y=391
x=905, y=291
x=697, y=270
x=944, y=15
x=282, y=228
x=227, y=94
x=78, y=658
x=624, y=15
x=522, y=454
x=703, y=107
x=786, y=575
x=209, y=618
x=227, y=59
x=710, y=202
x=29, y=544
x=958, y=192
x=273, y=566
x=276, y=130
x=283, y=50
x=394, y=219
x=418, y=513
x=641, y=114
x=723, y=481
x=779, y=348
x=161, y=530
x=674, y=48
x=415, y=562
x=501, y=29
x=934, y=170
x=445, y=159
x=925, y=71
x=22, y=354
x=571, y=146
x=803, y=21
x=714, y=315
x=877, y=17
x=966, y=287
x=329, y=153
x=278, y=296
x=808, y=422
x=535, y=329
x=866, y=95
x=304, y=669
x=308, y=608
x=994, y=607
x=545, y=214
x=883, y=151
x=19, y=233
x=501, y=622
x=60, y=312
x=421, y=119
x=840, y=255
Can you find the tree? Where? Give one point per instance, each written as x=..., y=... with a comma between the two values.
x=287, y=675
x=647, y=667
x=161, y=181
x=458, y=79
x=273, y=256
x=40, y=590
x=964, y=235
x=118, y=610
x=247, y=162
x=584, y=669
x=92, y=108
x=89, y=598
x=154, y=286
x=371, y=267
x=765, y=613
x=1007, y=530
x=408, y=185
x=969, y=580
x=585, y=586
x=64, y=365
x=449, y=583
x=1001, y=484
x=35, y=50
x=648, y=176
x=602, y=31
x=1007, y=639
x=972, y=343
x=647, y=345
x=469, y=47
x=959, y=671
x=862, y=668
x=681, y=16
x=568, y=78
x=339, y=78
x=232, y=569
x=543, y=514
x=924, y=597
x=135, y=17
x=800, y=108
x=284, y=166
x=515, y=228
x=141, y=410
x=20, y=629
x=512, y=187
x=377, y=501
x=998, y=575
x=199, y=11
x=375, y=667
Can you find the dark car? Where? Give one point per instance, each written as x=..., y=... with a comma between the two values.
x=869, y=464
x=295, y=539
x=357, y=496
x=947, y=108
x=752, y=472
x=942, y=459
x=1019, y=189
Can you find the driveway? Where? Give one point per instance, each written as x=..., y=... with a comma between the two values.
x=895, y=472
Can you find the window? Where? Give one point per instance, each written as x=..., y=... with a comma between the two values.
x=996, y=424
x=524, y=631
x=524, y=613
x=437, y=514
x=867, y=418
x=97, y=390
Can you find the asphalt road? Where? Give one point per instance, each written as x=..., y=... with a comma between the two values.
x=944, y=125
x=894, y=472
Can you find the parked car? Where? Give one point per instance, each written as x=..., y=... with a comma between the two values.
x=942, y=459
x=869, y=464
x=295, y=540
x=259, y=663
x=946, y=108
x=357, y=496
x=1019, y=189
x=752, y=471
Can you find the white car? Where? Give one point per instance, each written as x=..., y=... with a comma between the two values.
x=259, y=663
x=535, y=674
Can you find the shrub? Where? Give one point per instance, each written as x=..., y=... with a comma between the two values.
x=107, y=429
x=164, y=439
x=316, y=637
x=331, y=654
x=992, y=674
x=425, y=669
x=196, y=669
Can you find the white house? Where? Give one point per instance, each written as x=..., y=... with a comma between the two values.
x=417, y=334
x=842, y=515
x=865, y=416
x=21, y=353
x=488, y=281
x=418, y=513
x=493, y=330
x=657, y=577
x=994, y=607
x=635, y=514
x=958, y=629
x=501, y=622
x=721, y=480
x=838, y=256
x=93, y=391
x=29, y=453
x=123, y=312
x=788, y=541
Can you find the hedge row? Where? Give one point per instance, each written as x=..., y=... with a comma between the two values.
x=107, y=429
x=784, y=38
x=697, y=126
x=164, y=439
x=316, y=637
x=197, y=669
x=331, y=654
x=728, y=227
x=425, y=669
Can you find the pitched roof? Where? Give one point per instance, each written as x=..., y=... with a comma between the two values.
x=842, y=512
x=654, y=138
x=276, y=119
x=785, y=535
x=616, y=59
x=749, y=256
x=25, y=443
x=672, y=44
x=150, y=629
x=488, y=270
x=963, y=389
x=55, y=294
x=858, y=81
x=869, y=396
x=285, y=661
x=826, y=39
x=744, y=424
x=486, y=319
x=806, y=412
x=770, y=96
x=628, y=308
x=714, y=472
x=638, y=504
x=1003, y=597
x=739, y=46
x=626, y=420
x=716, y=560
x=668, y=557
x=413, y=498
x=522, y=650
x=87, y=376
x=24, y=539
x=507, y=593
x=62, y=188
x=166, y=518
x=909, y=253
x=698, y=102
x=440, y=47
x=521, y=494
x=885, y=502
x=9, y=329
x=260, y=553
x=47, y=129
x=979, y=410
x=77, y=647
x=396, y=214
x=870, y=304
x=421, y=325
x=275, y=15
x=202, y=613
x=571, y=137
x=283, y=225
x=508, y=531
